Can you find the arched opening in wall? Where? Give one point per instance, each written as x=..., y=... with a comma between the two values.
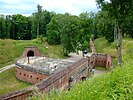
x=108, y=63
x=69, y=83
x=30, y=53
x=83, y=78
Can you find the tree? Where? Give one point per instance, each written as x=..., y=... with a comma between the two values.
x=53, y=32
x=104, y=26
x=86, y=29
x=69, y=29
x=118, y=10
x=39, y=18
x=2, y=27
x=20, y=27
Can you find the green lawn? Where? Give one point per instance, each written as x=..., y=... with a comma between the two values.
x=8, y=82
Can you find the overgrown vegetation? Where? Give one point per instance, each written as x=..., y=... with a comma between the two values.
x=117, y=84
x=10, y=50
x=114, y=85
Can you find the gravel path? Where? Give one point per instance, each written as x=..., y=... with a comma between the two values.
x=6, y=67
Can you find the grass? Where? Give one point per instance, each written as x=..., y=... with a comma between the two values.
x=102, y=46
x=100, y=68
x=116, y=84
x=8, y=82
x=11, y=50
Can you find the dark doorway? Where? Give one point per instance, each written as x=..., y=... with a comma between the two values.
x=83, y=78
x=30, y=53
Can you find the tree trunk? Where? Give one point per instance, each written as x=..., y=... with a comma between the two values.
x=37, y=29
x=120, y=33
x=119, y=45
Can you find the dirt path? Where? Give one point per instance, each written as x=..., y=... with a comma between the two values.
x=6, y=67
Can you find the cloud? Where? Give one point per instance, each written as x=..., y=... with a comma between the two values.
x=18, y=6
x=71, y=6
x=74, y=7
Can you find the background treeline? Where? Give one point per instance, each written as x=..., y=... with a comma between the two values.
x=73, y=32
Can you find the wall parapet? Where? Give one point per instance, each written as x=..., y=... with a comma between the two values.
x=60, y=80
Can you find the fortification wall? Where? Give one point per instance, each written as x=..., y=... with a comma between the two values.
x=60, y=80
x=34, y=49
x=100, y=60
x=29, y=76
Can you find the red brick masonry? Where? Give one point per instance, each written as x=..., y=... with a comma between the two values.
x=29, y=76
x=34, y=49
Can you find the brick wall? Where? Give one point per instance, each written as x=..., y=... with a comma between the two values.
x=29, y=76
x=99, y=60
x=34, y=49
x=109, y=61
x=59, y=80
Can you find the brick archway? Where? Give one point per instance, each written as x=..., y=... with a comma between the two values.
x=31, y=51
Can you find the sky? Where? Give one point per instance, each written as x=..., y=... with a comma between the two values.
x=27, y=7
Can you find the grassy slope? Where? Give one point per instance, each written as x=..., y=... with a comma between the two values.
x=116, y=84
x=8, y=82
x=10, y=50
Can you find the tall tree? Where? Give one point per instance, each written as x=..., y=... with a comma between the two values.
x=118, y=10
x=86, y=29
x=53, y=32
x=39, y=18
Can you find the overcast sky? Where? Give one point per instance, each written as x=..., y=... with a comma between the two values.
x=27, y=7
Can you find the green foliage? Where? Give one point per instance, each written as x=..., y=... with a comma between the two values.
x=53, y=37
x=114, y=85
x=53, y=32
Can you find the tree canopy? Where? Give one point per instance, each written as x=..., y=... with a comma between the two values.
x=72, y=32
